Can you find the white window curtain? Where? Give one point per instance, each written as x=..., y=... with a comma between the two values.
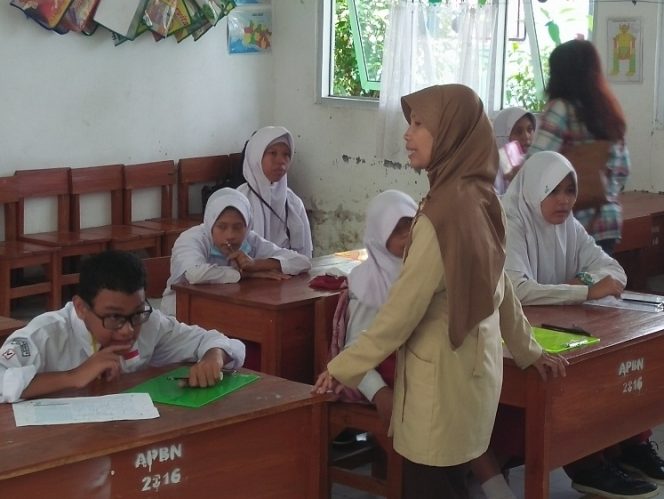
x=659, y=86
x=428, y=44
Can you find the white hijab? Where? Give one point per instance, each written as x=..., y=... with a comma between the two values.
x=546, y=258
x=266, y=224
x=505, y=121
x=370, y=281
x=198, y=241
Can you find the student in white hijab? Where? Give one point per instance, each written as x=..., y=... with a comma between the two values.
x=550, y=258
x=224, y=249
x=512, y=124
x=387, y=226
x=279, y=215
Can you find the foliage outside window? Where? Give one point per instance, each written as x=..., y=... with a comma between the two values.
x=359, y=27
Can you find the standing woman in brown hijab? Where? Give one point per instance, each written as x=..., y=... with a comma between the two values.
x=445, y=312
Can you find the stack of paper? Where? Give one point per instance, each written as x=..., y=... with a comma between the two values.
x=631, y=301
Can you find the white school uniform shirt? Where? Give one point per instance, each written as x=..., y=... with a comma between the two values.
x=195, y=259
x=541, y=257
x=59, y=341
x=278, y=195
x=369, y=283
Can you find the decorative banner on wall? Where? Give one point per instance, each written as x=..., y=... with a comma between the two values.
x=625, y=47
x=250, y=29
x=128, y=19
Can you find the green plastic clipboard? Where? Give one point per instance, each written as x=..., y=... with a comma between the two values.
x=559, y=341
x=167, y=391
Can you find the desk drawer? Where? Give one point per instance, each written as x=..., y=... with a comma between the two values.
x=636, y=234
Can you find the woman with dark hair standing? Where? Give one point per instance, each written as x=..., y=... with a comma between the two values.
x=582, y=108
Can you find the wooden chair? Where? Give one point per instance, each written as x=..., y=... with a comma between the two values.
x=161, y=174
x=235, y=160
x=157, y=270
x=108, y=179
x=18, y=255
x=196, y=172
x=8, y=326
x=362, y=417
x=54, y=183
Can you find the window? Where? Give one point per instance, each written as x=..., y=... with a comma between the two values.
x=352, y=54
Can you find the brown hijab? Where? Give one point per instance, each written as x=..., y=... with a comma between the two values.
x=461, y=202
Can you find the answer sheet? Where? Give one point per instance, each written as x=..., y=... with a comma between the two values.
x=122, y=406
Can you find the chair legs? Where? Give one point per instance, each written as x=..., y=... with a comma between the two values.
x=50, y=286
x=386, y=465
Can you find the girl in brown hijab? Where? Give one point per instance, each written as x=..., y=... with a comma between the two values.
x=445, y=312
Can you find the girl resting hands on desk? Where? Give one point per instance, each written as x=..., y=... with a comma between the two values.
x=224, y=249
x=449, y=306
x=551, y=259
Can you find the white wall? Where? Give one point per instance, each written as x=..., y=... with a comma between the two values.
x=77, y=101
x=336, y=171
x=338, y=188
x=71, y=100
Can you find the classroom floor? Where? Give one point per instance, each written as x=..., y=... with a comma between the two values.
x=560, y=484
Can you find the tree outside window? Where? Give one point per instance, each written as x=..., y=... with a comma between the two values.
x=531, y=28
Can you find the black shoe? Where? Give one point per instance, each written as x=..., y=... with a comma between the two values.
x=345, y=438
x=644, y=460
x=607, y=480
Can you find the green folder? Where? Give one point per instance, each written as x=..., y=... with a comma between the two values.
x=559, y=341
x=168, y=391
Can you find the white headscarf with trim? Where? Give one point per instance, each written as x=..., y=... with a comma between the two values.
x=370, y=281
x=546, y=259
x=505, y=121
x=199, y=239
x=266, y=224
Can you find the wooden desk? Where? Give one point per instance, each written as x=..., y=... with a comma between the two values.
x=641, y=250
x=278, y=316
x=263, y=441
x=613, y=389
x=8, y=325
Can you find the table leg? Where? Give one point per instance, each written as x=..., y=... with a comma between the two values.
x=538, y=438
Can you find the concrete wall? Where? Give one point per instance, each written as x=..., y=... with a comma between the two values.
x=77, y=101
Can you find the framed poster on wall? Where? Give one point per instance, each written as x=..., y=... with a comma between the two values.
x=624, y=63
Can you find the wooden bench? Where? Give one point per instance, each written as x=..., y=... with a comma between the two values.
x=641, y=250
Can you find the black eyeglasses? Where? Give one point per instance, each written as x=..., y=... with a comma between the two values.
x=114, y=322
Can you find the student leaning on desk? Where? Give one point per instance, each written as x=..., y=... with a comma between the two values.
x=108, y=328
x=552, y=260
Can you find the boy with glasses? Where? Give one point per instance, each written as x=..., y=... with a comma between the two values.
x=109, y=319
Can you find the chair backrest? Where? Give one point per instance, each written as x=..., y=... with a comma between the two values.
x=9, y=199
x=46, y=183
x=200, y=170
x=96, y=179
x=157, y=270
x=160, y=174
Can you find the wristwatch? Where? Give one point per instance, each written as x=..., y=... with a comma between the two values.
x=585, y=278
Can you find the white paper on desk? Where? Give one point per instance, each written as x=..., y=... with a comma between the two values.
x=122, y=406
x=613, y=302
